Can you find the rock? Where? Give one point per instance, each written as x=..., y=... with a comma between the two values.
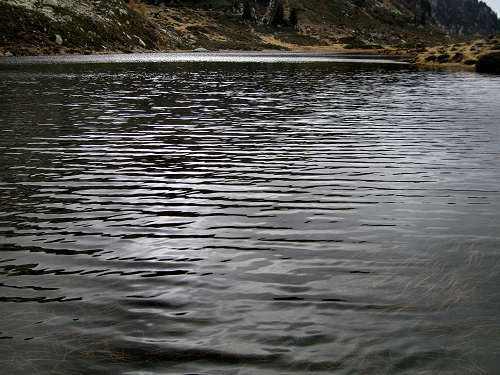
x=141, y=42
x=51, y=3
x=8, y=54
x=200, y=49
x=59, y=39
x=489, y=63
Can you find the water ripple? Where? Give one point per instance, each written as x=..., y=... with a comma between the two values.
x=247, y=218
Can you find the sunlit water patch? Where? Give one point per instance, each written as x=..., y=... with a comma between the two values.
x=257, y=57
x=247, y=216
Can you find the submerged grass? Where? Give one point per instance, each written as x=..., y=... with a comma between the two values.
x=451, y=303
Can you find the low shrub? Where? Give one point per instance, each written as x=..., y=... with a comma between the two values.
x=489, y=63
x=458, y=57
x=443, y=58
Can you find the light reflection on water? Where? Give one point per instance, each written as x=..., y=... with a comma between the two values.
x=207, y=217
x=208, y=57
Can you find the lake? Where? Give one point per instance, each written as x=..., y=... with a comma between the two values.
x=247, y=213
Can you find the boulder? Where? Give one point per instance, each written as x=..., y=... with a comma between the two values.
x=489, y=63
x=51, y=3
x=59, y=39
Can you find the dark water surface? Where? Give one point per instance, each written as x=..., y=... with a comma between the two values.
x=247, y=214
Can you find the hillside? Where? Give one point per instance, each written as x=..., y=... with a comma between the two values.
x=465, y=17
x=70, y=26
x=95, y=26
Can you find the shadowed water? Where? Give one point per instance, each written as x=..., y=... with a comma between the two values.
x=247, y=214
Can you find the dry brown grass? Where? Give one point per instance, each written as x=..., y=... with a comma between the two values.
x=457, y=55
x=138, y=7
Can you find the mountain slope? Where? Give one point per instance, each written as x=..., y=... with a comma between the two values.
x=88, y=26
x=465, y=17
x=71, y=26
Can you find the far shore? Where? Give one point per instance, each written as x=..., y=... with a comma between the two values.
x=457, y=56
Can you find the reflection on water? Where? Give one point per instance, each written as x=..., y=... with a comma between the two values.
x=241, y=218
x=209, y=57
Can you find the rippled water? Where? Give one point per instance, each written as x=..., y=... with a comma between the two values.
x=247, y=214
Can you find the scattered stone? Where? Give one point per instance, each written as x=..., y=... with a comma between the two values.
x=51, y=3
x=489, y=63
x=59, y=39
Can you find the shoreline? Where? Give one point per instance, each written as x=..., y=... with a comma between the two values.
x=289, y=48
x=458, y=56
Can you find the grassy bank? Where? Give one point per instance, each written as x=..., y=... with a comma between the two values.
x=460, y=55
